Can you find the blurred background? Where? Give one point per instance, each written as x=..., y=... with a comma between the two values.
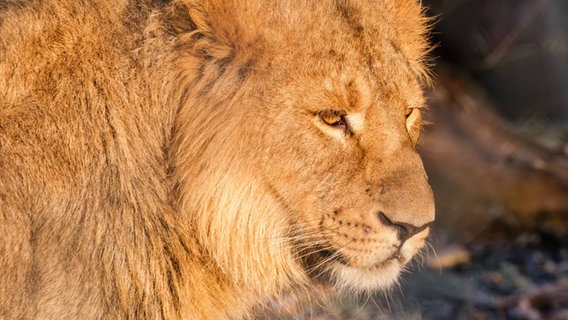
x=497, y=157
x=496, y=152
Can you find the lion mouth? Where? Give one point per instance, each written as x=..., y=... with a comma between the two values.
x=338, y=257
x=326, y=266
x=319, y=264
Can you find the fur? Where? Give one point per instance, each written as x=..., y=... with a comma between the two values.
x=164, y=160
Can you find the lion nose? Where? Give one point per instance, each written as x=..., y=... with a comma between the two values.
x=405, y=230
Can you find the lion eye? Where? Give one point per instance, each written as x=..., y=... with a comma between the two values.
x=334, y=119
x=413, y=123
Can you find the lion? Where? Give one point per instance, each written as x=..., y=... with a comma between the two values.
x=193, y=159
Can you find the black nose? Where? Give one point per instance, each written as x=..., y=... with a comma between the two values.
x=405, y=230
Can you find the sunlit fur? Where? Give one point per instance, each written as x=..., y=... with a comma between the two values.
x=164, y=160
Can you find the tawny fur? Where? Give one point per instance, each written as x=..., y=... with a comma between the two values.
x=164, y=160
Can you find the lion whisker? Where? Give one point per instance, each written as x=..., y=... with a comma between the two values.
x=309, y=253
x=335, y=254
x=310, y=232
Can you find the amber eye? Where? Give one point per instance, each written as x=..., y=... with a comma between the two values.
x=413, y=123
x=333, y=119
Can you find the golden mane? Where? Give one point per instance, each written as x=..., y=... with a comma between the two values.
x=170, y=159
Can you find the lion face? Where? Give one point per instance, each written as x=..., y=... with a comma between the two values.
x=327, y=114
x=351, y=181
x=341, y=159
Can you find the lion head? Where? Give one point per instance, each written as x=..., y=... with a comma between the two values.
x=192, y=158
x=295, y=147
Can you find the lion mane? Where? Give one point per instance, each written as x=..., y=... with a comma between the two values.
x=194, y=159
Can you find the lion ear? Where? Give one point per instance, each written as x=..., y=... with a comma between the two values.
x=222, y=29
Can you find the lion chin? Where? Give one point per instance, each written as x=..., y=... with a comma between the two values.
x=377, y=277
